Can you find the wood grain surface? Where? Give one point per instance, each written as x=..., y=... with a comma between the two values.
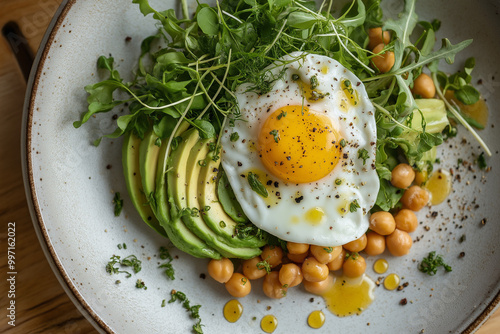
x=41, y=304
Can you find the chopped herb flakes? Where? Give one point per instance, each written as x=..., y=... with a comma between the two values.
x=276, y=135
x=118, y=201
x=363, y=154
x=431, y=263
x=140, y=284
x=234, y=136
x=129, y=261
x=194, y=310
x=264, y=265
x=169, y=269
x=354, y=206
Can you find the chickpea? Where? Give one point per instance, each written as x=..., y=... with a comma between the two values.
x=296, y=248
x=251, y=270
x=376, y=37
x=382, y=222
x=298, y=258
x=319, y=288
x=272, y=286
x=272, y=254
x=354, y=266
x=238, y=285
x=375, y=244
x=356, y=245
x=420, y=177
x=383, y=62
x=415, y=198
x=337, y=263
x=313, y=270
x=402, y=176
x=406, y=220
x=424, y=86
x=399, y=243
x=325, y=254
x=220, y=270
x=290, y=275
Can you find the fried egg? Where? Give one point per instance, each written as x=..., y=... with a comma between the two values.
x=301, y=158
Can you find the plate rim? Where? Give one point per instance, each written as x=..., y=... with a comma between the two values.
x=32, y=198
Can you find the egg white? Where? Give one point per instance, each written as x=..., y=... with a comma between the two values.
x=284, y=212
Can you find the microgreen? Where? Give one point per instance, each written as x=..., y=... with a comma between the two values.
x=431, y=263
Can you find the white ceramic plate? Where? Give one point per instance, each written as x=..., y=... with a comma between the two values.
x=69, y=187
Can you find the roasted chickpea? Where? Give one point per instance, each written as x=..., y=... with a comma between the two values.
x=220, y=270
x=356, y=245
x=238, y=285
x=385, y=61
x=402, y=176
x=424, y=87
x=272, y=254
x=415, y=198
x=399, y=243
x=337, y=263
x=313, y=270
x=382, y=222
x=319, y=288
x=420, y=177
x=325, y=254
x=375, y=244
x=272, y=286
x=406, y=220
x=290, y=275
x=296, y=248
x=251, y=270
x=354, y=266
x=376, y=36
x=298, y=258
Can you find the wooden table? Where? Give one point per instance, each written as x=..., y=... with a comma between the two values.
x=41, y=304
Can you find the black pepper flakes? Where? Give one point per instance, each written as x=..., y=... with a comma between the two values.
x=403, y=302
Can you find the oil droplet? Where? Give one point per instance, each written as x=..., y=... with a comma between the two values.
x=295, y=219
x=269, y=323
x=477, y=111
x=324, y=69
x=391, y=282
x=233, y=310
x=343, y=208
x=380, y=266
x=349, y=296
x=315, y=215
x=350, y=92
x=439, y=186
x=316, y=319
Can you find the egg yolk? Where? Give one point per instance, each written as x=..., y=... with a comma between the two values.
x=298, y=145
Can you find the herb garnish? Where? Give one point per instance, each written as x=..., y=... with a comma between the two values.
x=140, y=284
x=256, y=185
x=481, y=161
x=354, y=206
x=264, y=265
x=363, y=154
x=328, y=249
x=129, y=261
x=234, y=137
x=276, y=135
x=194, y=310
x=314, y=82
x=281, y=115
x=118, y=201
x=169, y=269
x=431, y=263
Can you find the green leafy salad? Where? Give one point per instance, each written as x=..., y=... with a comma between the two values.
x=182, y=96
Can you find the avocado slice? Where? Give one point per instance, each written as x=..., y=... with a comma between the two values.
x=182, y=183
x=148, y=157
x=228, y=201
x=169, y=218
x=207, y=196
x=131, y=170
